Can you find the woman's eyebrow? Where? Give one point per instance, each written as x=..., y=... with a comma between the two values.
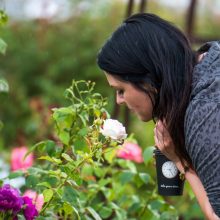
x=115, y=87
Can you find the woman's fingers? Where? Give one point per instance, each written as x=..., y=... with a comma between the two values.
x=163, y=140
x=161, y=135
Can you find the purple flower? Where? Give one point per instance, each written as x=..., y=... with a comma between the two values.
x=10, y=200
x=30, y=211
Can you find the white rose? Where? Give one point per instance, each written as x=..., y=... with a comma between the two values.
x=113, y=129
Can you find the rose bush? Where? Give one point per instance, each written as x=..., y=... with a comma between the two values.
x=78, y=172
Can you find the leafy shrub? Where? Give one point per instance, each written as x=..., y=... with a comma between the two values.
x=79, y=173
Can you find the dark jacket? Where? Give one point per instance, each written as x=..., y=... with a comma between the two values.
x=202, y=123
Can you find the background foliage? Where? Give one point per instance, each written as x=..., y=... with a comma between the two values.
x=43, y=58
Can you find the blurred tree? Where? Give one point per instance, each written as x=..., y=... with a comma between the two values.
x=41, y=62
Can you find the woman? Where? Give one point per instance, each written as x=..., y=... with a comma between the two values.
x=157, y=75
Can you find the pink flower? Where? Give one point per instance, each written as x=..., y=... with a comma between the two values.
x=17, y=159
x=37, y=199
x=130, y=151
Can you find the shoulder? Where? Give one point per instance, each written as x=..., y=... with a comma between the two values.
x=206, y=74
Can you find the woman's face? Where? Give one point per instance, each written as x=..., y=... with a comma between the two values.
x=136, y=100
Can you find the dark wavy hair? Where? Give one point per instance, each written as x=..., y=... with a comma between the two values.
x=146, y=49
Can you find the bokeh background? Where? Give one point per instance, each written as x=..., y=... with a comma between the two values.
x=51, y=42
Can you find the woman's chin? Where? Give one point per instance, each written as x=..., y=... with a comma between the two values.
x=139, y=116
x=143, y=118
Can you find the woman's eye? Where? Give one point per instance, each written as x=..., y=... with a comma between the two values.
x=120, y=92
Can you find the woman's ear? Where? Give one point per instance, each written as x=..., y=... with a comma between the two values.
x=150, y=88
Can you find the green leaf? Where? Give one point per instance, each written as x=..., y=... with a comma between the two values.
x=15, y=174
x=136, y=207
x=110, y=155
x=40, y=146
x=48, y=194
x=114, y=206
x=64, y=137
x=70, y=195
x=100, y=171
x=121, y=214
x=145, y=177
x=169, y=216
x=64, y=117
x=21, y=217
x=94, y=214
x=83, y=132
x=127, y=164
x=36, y=170
x=3, y=46
x=68, y=209
x=31, y=181
x=50, y=147
x=63, y=175
x=83, y=119
x=51, y=159
x=104, y=182
x=3, y=84
x=97, y=113
x=51, y=180
x=80, y=145
x=148, y=214
x=148, y=154
x=67, y=157
x=131, y=166
x=156, y=204
x=126, y=176
x=138, y=181
x=76, y=212
x=46, y=184
x=55, y=173
x=105, y=212
x=189, y=190
x=3, y=17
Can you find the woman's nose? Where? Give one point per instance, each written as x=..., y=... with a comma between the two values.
x=119, y=100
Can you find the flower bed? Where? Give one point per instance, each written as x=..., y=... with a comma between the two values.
x=87, y=171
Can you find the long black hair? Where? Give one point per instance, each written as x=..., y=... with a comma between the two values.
x=146, y=49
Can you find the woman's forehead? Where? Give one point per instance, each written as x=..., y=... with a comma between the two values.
x=114, y=81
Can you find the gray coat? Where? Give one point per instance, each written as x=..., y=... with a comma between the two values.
x=202, y=123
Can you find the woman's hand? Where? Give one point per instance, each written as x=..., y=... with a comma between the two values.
x=164, y=141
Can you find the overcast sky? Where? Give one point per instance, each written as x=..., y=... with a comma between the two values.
x=61, y=9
